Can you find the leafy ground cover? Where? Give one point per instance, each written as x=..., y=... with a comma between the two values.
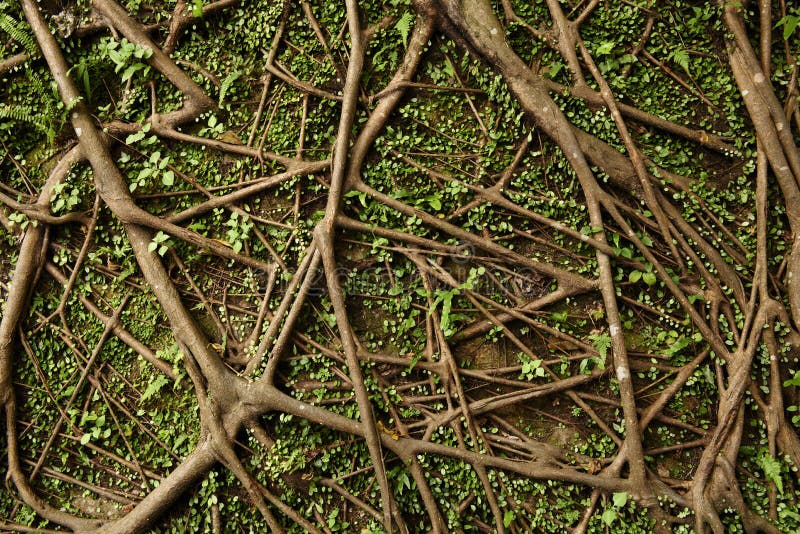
x=394, y=266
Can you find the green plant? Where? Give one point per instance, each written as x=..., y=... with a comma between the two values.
x=20, y=219
x=64, y=198
x=145, y=170
x=601, y=343
x=789, y=23
x=771, y=468
x=619, y=500
x=531, y=369
x=160, y=243
x=99, y=429
x=794, y=382
x=126, y=55
x=444, y=297
x=239, y=227
x=18, y=31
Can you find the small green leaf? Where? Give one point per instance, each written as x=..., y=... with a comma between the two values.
x=649, y=278
x=620, y=499
x=635, y=276
x=134, y=137
x=168, y=178
x=678, y=345
x=435, y=202
x=609, y=516
x=555, y=68
x=794, y=381
x=508, y=517
x=789, y=23
x=130, y=71
x=605, y=48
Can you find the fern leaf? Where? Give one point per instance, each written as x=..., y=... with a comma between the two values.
x=772, y=469
x=601, y=342
x=27, y=115
x=403, y=26
x=681, y=57
x=19, y=32
x=18, y=113
x=227, y=83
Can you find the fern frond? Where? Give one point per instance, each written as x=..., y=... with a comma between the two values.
x=227, y=83
x=20, y=114
x=36, y=84
x=44, y=93
x=403, y=26
x=27, y=115
x=19, y=32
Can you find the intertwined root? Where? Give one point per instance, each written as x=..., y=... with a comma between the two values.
x=465, y=285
